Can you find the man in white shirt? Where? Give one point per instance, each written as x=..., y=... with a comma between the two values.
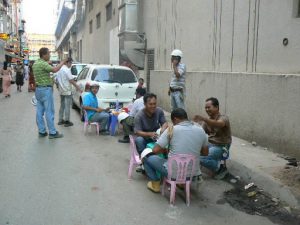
x=65, y=81
x=128, y=122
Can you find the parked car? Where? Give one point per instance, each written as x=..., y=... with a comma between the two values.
x=117, y=83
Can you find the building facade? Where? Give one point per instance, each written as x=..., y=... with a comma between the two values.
x=12, y=29
x=37, y=41
x=245, y=52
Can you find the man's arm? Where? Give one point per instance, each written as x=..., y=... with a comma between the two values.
x=73, y=82
x=157, y=149
x=213, y=123
x=58, y=67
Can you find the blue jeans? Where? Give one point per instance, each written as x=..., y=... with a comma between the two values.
x=154, y=164
x=45, y=105
x=102, y=118
x=215, y=155
x=141, y=143
x=177, y=100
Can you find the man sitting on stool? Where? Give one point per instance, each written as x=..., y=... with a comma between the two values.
x=147, y=121
x=95, y=113
x=217, y=127
x=184, y=138
x=127, y=120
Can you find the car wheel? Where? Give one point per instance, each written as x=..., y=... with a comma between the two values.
x=81, y=112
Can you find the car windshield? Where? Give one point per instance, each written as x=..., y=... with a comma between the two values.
x=113, y=75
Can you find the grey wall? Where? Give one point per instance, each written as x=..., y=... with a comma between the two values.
x=262, y=107
x=231, y=35
x=95, y=46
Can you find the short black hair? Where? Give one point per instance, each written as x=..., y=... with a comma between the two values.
x=141, y=79
x=43, y=51
x=179, y=113
x=148, y=96
x=214, y=101
x=69, y=60
x=140, y=91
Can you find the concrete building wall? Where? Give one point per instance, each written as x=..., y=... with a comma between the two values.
x=216, y=35
x=262, y=108
x=96, y=45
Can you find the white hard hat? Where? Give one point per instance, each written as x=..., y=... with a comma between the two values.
x=122, y=116
x=94, y=83
x=177, y=52
x=146, y=152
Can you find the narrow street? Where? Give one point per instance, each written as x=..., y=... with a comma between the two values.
x=82, y=180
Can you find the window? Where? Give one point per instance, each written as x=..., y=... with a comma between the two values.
x=113, y=76
x=82, y=75
x=91, y=5
x=108, y=11
x=91, y=26
x=98, y=20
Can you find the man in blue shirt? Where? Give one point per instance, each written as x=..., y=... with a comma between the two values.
x=95, y=113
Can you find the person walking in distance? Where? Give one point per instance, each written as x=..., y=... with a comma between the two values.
x=177, y=84
x=65, y=81
x=44, y=93
x=6, y=75
x=19, y=69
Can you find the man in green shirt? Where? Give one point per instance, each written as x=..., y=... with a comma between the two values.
x=44, y=94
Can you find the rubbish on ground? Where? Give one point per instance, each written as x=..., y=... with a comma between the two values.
x=237, y=177
x=251, y=194
x=265, y=148
x=292, y=163
x=233, y=181
x=254, y=143
x=256, y=200
x=287, y=208
x=276, y=200
x=287, y=167
x=243, y=144
x=249, y=186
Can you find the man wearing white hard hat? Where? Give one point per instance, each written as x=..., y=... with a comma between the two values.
x=94, y=112
x=177, y=84
x=127, y=120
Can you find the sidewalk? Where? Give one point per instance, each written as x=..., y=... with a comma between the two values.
x=262, y=167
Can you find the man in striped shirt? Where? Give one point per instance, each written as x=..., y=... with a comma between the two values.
x=44, y=94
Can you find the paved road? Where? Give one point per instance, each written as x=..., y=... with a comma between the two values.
x=82, y=180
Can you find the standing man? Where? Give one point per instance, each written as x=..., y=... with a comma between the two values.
x=44, y=94
x=147, y=121
x=127, y=120
x=94, y=112
x=65, y=81
x=217, y=126
x=177, y=84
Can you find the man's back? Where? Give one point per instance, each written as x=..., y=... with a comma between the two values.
x=63, y=77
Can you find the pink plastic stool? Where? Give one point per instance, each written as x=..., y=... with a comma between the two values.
x=89, y=124
x=183, y=174
x=134, y=156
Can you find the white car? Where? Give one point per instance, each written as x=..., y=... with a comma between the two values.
x=117, y=84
